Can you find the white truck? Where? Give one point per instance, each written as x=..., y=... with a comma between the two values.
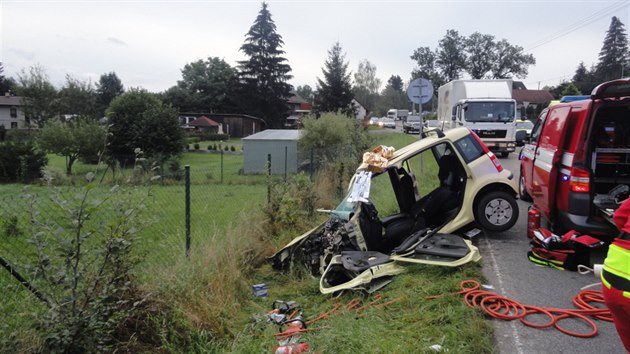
x=398, y=114
x=484, y=106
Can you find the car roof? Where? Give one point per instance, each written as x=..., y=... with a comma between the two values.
x=411, y=149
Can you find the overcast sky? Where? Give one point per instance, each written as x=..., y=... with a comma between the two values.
x=147, y=43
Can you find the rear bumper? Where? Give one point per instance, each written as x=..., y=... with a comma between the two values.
x=594, y=225
x=501, y=146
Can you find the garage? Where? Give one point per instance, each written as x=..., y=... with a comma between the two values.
x=281, y=144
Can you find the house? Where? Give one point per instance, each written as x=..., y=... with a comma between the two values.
x=11, y=116
x=235, y=125
x=361, y=112
x=205, y=124
x=530, y=102
x=299, y=108
x=279, y=144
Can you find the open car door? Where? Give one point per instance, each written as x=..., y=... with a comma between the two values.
x=547, y=157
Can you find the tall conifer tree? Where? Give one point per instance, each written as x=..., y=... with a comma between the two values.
x=334, y=93
x=263, y=77
x=613, y=57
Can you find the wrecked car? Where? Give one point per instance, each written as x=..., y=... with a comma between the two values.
x=407, y=206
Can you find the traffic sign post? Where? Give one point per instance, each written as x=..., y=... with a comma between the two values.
x=420, y=91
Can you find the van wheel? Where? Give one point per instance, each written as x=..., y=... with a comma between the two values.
x=522, y=191
x=496, y=211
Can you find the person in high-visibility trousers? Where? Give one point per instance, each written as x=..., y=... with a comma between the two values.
x=616, y=275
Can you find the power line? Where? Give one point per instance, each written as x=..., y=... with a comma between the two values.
x=579, y=24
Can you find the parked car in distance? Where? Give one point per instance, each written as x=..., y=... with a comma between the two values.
x=525, y=126
x=387, y=123
x=432, y=123
x=410, y=205
x=374, y=121
x=578, y=152
x=412, y=124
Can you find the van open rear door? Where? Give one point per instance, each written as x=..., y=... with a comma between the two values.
x=547, y=156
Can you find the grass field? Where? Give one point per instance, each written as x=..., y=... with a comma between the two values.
x=225, y=215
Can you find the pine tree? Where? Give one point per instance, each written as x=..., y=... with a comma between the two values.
x=334, y=93
x=613, y=57
x=264, y=89
x=583, y=79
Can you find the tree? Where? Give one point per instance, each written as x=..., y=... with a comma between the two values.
x=570, y=90
x=264, y=76
x=395, y=82
x=426, y=69
x=139, y=120
x=39, y=100
x=78, y=138
x=306, y=92
x=109, y=87
x=78, y=98
x=583, y=79
x=509, y=60
x=450, y=55
x=206, y=86
x=613, y=57
x=334, y=92
x=479, y=49
x=366, y=85
x=7, y=84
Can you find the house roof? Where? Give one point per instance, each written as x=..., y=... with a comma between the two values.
x=275, y=134
x=10, y=100
x=203, y=121
x=296, y=98
x=532, y=96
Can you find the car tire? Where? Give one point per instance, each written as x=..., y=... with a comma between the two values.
x=505, y=154
x=496, y=211
x=522, y=191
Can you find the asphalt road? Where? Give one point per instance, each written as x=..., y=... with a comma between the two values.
x=511, y=274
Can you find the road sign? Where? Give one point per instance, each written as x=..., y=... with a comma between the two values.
x=420, y=91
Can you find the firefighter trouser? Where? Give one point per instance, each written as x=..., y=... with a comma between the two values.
x=619, y=306
x=616, y=287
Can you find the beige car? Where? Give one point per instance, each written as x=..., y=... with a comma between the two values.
x=409, y=205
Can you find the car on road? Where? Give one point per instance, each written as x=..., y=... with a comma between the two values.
x=413, y=124
x=387, y=123
x=374, y=120
x=526, y=127
x=407, y=205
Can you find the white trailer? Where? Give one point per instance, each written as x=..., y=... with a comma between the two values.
x=484, y=106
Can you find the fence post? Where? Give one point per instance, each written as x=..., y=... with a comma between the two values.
x=286, y=152
x=340, y=176
x=221, y=166
x=187, y=192
x=268, y=179
x=312, y=164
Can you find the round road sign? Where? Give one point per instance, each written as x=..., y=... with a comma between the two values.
x=420, y=91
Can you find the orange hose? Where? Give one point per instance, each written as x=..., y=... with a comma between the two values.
x=504, y=308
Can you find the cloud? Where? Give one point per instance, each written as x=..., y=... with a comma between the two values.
x=21, y=53
x=115, y=41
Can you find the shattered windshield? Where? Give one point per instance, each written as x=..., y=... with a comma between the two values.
x=489, y=112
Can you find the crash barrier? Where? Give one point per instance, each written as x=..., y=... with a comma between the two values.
x=289, y=316
x=589, y=303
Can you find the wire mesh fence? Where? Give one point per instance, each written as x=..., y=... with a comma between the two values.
x=175, y=222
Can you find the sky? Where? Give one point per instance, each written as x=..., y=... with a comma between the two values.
x=147, y=42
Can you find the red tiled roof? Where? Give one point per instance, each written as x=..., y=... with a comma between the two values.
x=203, y=121
x=532, y=96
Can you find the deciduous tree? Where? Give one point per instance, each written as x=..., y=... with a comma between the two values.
x=39, y=96
x=138, y=119
x=450, y=55
x=366, y=85
x=334, y=92
x=78, y=98
x=264, y=76
x=480, y=54
x=306, y=92
x=510, y=61
x=77, y=138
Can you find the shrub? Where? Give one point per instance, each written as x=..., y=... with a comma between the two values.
x=21, y=161
x=226, y=148
x=292, y=204
x=210, y=147
x=208, y=136
x=196, y=146
x=232, y=148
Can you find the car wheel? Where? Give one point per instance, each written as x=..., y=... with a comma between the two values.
x=505, y=154
x=497, y=211
x=522, y=191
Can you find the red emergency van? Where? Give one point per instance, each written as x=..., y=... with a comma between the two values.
x=578, y=152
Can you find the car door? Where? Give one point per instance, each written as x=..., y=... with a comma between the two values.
x=547, y=155
x=528, y=151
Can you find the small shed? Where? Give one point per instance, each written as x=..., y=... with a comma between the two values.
x=205, y=124
x=281, y=144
